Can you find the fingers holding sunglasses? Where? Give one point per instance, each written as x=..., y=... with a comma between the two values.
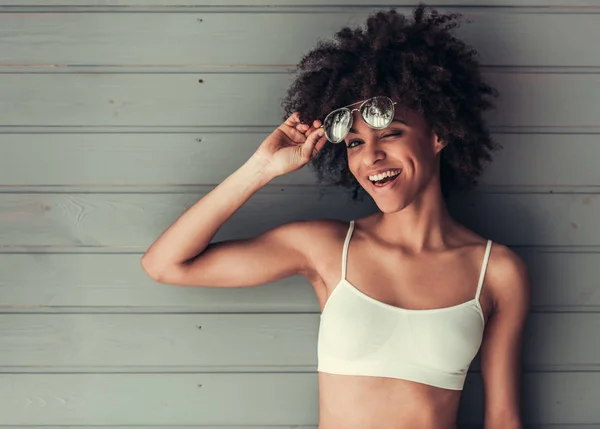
x=306, y=132
x=292, y=127
x=309, y=130
x=297, y=130
x=314, y=143
x=292, y=120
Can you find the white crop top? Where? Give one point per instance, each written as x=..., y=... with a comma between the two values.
x=359, y=335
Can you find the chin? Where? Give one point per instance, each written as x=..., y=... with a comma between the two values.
x=391, y=206
x=391, y=203
x=391, y=200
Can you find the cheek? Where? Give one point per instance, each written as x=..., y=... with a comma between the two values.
x=424, y=156
x=419, y=165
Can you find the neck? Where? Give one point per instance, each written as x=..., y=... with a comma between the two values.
x=424, y=223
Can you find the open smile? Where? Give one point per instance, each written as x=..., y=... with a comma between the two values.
x=387, y=182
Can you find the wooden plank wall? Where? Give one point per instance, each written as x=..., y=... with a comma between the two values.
x=117, y=115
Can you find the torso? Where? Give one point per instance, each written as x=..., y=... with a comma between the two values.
x=425, y=281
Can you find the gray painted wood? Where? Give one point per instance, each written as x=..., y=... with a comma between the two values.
x=203, y=158
x=245, y=399
x=236, y=342
x=549, y=100
x=132, y=221
x=531, y=219
x=562, y=280
x=312, y=3
x=467, y=426
x=91, y=172
x=505, y=37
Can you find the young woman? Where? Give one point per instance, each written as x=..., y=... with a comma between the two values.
x=408, y=295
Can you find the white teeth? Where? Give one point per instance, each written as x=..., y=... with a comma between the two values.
x=383, y=175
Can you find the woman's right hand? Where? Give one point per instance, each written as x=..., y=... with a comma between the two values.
x=291, y=146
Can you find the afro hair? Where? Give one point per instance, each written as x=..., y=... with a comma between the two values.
x=418, y=63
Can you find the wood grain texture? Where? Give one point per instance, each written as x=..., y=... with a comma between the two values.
x=562, y=280
x=466, y=426
x=132, y=221
x=147, y=97
x=246, y=399
x=549, y=100
x=505, y=37
x=236, y=342
x=526, y=160
x=588, y=4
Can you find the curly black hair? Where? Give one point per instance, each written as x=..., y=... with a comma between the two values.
x=419, y=64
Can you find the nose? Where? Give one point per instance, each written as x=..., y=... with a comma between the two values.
x=372, y=151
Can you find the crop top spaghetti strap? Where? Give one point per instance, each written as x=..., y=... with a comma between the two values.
x=359, y=335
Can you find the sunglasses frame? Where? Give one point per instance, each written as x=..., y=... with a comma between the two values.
x=352, y=117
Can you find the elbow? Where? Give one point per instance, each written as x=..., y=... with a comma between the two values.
x=153, y=270
x=171, y=274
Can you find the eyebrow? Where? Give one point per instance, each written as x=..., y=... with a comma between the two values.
x=353, y=131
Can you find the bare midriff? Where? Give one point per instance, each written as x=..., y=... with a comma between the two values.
x=359, y=402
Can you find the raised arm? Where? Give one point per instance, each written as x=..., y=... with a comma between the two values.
x=277, y=253
x=183, y=254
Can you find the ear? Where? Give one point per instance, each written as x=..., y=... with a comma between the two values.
x=438, y=144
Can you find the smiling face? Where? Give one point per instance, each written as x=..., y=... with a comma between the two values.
x=406, y=146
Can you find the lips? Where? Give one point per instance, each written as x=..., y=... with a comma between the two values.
x=380, y=171
x=388, y=183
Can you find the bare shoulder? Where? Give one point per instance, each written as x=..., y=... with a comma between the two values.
x=507, y=277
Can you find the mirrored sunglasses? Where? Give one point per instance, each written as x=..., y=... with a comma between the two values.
x=377, y=112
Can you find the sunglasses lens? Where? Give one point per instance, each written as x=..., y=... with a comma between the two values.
x=378, y=112
x=337, y=124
